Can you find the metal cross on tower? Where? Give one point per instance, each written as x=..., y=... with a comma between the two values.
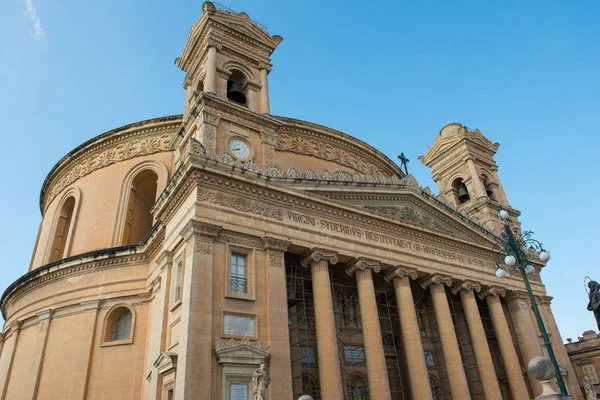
x=404, y=162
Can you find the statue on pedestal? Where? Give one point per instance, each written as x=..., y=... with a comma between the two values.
x=590, y=391
x=260, y=382
x=594, y=304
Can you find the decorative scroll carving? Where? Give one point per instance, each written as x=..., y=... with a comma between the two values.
x=203, y=247
x=363, y=264
x=317, y=254
x=121, y=152
x=240, y=204
x=436, y=279
x=273, y=172
x=194, y=147
x=292, y=173
x=226, y=158
x=325, y=151
x=276, y=260
x=494, y=291
x=275, y=244
x=268, y=155
x=401, y=272
x=409, y=214
x=200, y=229
x=466, y=285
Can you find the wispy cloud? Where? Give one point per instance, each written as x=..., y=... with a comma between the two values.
x=31, y=12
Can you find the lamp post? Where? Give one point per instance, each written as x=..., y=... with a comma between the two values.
x=511, y=250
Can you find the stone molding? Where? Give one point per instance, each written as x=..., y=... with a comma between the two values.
x=165, y=259
x=494, y=291
x=214, y=42
x=546, y=300
x=401, y=272
x=239, y=204
x=435, y=279
x=200, y=230
x=139, y=139
x=91, y=305
x=465, y=285
x=155, y=284
x=241, y=352
x=239, y=238
x=516, y=295
x=45, y=315
x=318, y=254
x=166, y=362
x=264, y=65
x=275, y=244
x=363, y=264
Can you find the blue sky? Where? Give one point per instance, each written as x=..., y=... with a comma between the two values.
x=526, y=73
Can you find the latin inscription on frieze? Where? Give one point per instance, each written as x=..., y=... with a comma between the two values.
x=401, y=244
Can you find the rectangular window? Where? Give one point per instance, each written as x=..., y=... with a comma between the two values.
x=354, y=353
x=177, y=276
x=170, y=394
x=590, y=372
x=237, y=274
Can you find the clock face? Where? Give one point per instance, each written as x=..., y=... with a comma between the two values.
x=239, y=149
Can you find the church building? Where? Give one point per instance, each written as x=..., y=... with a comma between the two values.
x=177, y=254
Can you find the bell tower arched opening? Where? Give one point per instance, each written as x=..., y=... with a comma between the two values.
x=461, y=193
x=235, y=87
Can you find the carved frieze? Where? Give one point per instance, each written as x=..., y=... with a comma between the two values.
x=325, y=151
x=409, y=214
x=240, y=239
x=239, y=204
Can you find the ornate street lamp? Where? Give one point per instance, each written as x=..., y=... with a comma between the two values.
x=511, y=250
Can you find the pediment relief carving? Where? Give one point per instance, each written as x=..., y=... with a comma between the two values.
x=241, y=352
x=418, y=217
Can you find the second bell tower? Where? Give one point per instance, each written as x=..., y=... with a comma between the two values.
x=462, y=164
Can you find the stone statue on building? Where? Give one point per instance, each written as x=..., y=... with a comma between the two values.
x=260, y=382
x=589, y=389
x=594, y=304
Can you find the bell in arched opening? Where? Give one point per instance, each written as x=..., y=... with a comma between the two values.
x=235, y=92
x=463, y=194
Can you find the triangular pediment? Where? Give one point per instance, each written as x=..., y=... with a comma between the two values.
x=165, y=362
x=241, y=352
x=244, y=25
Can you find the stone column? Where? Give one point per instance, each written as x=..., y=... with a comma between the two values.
x=558, y=346
x=195, y=354
x=526, y=332
x=456, y=373
x=277, y=314
x=210, y=79
x=500, y=195
x=206, y=131
x=14, y=328
x=37, y=361
x=483, y=357
x=379, y=384
x=264, y=91
x=514, y=373
x=477, y=184
x=411, y=334
x=327, y=347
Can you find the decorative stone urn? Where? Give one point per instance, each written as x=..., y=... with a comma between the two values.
x=542, y=369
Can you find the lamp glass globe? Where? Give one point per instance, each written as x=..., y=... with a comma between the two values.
x=544, y=256
x=529, y=269
x=510, y=260
x=503, y=215
x=500, y=273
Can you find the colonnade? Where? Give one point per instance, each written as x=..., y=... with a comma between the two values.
x=319, y=261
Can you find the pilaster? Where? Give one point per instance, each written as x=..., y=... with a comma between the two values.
x=195, y=357
x=37, y=360
x=14, y=328
x=277, y=314
x=206, y=131
x=91, y=309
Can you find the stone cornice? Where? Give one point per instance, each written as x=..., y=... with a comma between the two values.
x=275, y=244
x=198, y=229
x=495, y=291
x=401, y=272
x=239, y=238
x=363, y=264
x=129, y=141
x=544, y=299
x=45, y=315
x=465, y=285
x=317, y=254
x=435, y=279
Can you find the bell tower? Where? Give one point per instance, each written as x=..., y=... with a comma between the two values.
x=462, y=164
x=227, y=61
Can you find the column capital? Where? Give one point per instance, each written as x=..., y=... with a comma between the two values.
x=264, y=65
x=494, y=291
x=318, y=254
x=14, y=326
x=401, y=272
x=466, y=285
x=516, y=295
x=199, y=229
x=90, y=305
x=435, y=279
x=546, y=300
x=275, y=244
x=362, y=264
x=216, y=43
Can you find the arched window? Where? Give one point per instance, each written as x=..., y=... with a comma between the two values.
x=489, y=191
x=118, y=325
x=142, y=195
x=61, y=232
x=460, y=191
x=235, y=87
